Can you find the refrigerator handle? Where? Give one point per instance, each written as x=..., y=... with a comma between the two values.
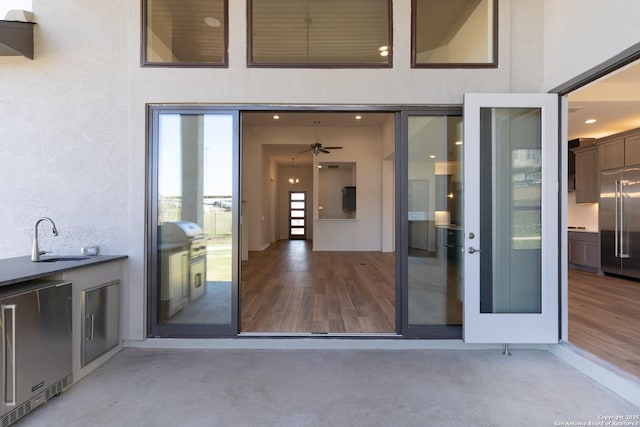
x=9, y=356
x=622, y=193
x=617, y=232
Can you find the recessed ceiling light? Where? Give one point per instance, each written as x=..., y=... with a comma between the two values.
x=358, y=117
x=431, y=156
x=589, y=121
x=276, y=117
x=212, y=22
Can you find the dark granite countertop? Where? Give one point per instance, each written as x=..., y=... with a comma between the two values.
x=21, y=269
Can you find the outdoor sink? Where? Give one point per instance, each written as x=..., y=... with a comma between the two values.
x=63, y=258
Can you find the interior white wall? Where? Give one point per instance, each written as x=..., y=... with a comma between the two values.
x=388, y=185
x=581, y=34
x=74, y=120
x=266, y=224
x=582, y=214
x=362, y=145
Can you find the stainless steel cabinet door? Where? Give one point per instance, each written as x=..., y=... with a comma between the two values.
x=100, y=329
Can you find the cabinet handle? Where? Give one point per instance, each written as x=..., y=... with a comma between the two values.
x=617, y=231
x=91, y=319
x=623, y=183
x=9, y=355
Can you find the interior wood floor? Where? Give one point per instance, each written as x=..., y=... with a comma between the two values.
x=290, y=288
x=604, y=318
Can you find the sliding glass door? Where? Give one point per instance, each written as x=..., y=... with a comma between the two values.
x=432, y=225
x=192, y=225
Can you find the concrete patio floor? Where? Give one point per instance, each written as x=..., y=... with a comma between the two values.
x=207, y=387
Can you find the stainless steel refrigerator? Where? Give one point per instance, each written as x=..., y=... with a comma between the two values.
x=619, y=217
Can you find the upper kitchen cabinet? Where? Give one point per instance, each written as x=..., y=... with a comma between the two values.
x=586, y=174
x=632, y=150
x=620, y=150
x=611, y=154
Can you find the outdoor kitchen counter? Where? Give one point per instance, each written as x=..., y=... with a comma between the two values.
x=21, y=269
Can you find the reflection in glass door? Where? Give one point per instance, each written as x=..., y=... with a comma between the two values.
x=434, y=226
x=297, y=215
x=193, y=231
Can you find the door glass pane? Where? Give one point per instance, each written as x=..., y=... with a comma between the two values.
x=297, y=222
x=510, y=210
x=435, y=221
x=297, y=231
x=297, y=214
x=297, y=196
x=297, y=205
x=194, y=205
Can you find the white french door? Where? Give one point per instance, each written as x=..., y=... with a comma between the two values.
x=511, y=242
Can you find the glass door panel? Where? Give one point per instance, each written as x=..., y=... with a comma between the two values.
x=297, y=215
x=193, y=229
x=511, y=261
x=435, y=227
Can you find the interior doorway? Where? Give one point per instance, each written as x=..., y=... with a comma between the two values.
x=602, y=317
x=320, y=254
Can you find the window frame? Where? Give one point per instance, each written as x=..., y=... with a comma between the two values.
x=252, y=64
x=492, y=64
x=150, y=64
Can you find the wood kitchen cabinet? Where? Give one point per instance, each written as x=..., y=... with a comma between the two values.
x=620, y=150
x=611, y=154
x=584, y=251
x=587, y=182
x=632, y=150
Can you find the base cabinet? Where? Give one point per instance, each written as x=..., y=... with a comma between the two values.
x=584, y=251
x=100, y=326
x=104, y=305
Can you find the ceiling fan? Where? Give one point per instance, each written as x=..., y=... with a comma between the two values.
x=317, y=148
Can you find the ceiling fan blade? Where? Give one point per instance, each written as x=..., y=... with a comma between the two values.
x=324, y=150
x=332, y=148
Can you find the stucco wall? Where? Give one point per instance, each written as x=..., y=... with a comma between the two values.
x=73, y=121
x=580, y=34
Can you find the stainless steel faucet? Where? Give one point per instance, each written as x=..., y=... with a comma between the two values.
x=35, y=251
